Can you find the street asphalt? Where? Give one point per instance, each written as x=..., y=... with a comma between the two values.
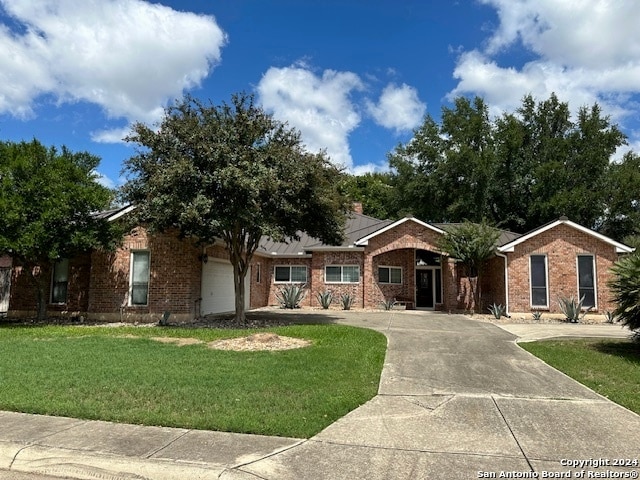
x=458, y=399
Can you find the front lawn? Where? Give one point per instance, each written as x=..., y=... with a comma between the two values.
x=609, y=367
x=121, y=375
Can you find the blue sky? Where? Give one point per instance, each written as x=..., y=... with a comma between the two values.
x=354, y=76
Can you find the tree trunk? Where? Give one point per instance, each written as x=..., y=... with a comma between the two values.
x=38, y=283
x=238, y=279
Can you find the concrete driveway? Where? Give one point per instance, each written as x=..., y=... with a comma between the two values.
x=459, y=399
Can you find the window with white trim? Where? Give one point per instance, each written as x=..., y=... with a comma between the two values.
x=290, y=274
x=391, y=275
x=539, y=281
x=342, y=274
x=60, y=281
x=139, y=287
x=587, y=280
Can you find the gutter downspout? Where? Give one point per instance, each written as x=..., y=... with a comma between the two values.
x=506, y=283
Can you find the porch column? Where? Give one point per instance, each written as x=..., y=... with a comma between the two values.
x=367, y=281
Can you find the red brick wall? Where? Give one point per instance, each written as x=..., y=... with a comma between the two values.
x=408, y=236
x=23, y=299
x=174, y=283
x=404, y=258
x=270, y=288
x=322, y=259
x=260, y=290
x=562, y=244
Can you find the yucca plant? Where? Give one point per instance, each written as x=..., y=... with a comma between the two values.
x=389, y=304
x=497, y=310
x=572, y=308
x=347, y=300
x=625, y=287
x=291, y=296
x=325, y=299
x=537, y=315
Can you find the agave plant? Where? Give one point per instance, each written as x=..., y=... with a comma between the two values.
x=609, y=316
x=389, y=304
x=537, y=315
x=572, y=308
x=291, y=296
x=325, y=298
x=347, y=300
x=497, y=310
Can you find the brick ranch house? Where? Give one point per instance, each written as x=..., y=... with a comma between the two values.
x=379, y=260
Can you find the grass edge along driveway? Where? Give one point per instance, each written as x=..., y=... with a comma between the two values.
x=121, y=375
x=610, y=367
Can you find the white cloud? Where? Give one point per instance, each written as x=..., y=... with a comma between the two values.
x=115, y=135
x=398, y=108
x=319, y=106
x=370, y=168
x=585, y=52
x=103, y=180
x=128, y=56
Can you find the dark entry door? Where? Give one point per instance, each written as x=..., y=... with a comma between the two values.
x=424, y=289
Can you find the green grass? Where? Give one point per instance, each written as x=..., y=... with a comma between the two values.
x=95, y=373
x=609, y=367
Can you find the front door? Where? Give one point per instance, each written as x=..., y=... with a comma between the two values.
x=424, y=289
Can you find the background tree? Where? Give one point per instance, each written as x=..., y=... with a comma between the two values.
x=625, y=287
x=521, y=170
x=621, y=219
x=47, y=197
x=233, y=172
x=374, y=191
x=472, y=244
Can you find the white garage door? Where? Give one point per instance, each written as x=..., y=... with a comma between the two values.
x=218, y=295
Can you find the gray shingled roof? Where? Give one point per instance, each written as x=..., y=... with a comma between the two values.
x=505, y=235
x=356, y=227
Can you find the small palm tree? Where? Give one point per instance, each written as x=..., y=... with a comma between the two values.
x=626, y=290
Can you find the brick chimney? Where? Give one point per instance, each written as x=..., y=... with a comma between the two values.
x=357, y=207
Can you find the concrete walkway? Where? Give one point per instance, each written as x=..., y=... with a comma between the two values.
x=457, y=398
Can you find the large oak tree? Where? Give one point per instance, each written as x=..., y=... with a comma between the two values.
x=48, y=198
x=232, y=172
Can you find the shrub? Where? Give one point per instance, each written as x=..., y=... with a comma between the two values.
x=291, y=296
x=497, y=310
x=325, y=299
x=536, y=315
x=610, y=316
x=389, y=304
x=572, y=308
x=625, y=287
x=346, y=300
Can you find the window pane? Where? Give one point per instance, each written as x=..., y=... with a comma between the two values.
x=140, y=267
x=396, y=275
x=333, y=274
x=351, y=274
x=61, y=271
x=139, y=294
x=299, y=274
x=538, y=271
x=589, y=297
x=140, y=278
x=438, y=286
x=283, y=274
x=539, y=297
x=585, y=271
x=383, y=274
x=60, y=281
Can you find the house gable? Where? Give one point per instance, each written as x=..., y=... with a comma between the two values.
x=404, y=224
x=559, y=244
x=619, y=247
